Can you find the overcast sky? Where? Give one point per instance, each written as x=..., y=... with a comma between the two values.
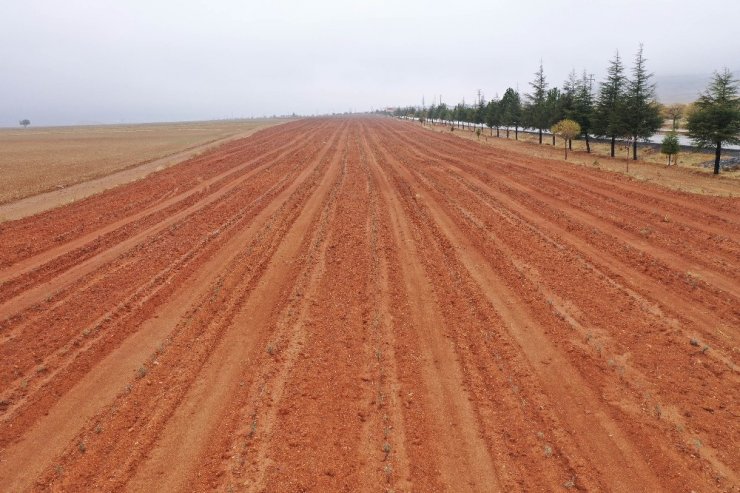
x=101, y=61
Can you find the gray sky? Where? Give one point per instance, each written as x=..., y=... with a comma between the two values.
x=101, y=61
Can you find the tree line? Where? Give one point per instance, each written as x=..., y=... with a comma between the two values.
x=622, y=107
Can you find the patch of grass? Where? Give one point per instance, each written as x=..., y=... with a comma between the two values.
x=547, y=450
x=692, y=279
x=388, y=470
x=386, y=450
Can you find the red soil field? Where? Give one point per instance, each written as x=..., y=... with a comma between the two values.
x=362, y=305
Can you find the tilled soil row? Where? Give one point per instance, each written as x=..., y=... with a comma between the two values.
x=616, y=322
x=30, y=236
x=361, y=305
x=638, y=262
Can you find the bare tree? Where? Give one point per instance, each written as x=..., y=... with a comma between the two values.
x=674, y=113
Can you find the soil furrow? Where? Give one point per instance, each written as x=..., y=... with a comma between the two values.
x=82, y=321
x=356, y=304
x=677, y=360
x=634, y=269
x=174, y=458
x=634, y=241
x=137, y=349
x=81, y=257
x=31, y=236
x=453, y=422
x=722, y=209
x=604, y=442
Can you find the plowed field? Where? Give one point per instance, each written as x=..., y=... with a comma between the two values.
x=362, y=305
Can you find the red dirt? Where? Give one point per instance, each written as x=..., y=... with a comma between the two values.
x=359, y=304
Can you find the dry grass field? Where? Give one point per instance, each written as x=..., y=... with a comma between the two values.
x=36, y=160
x=650, y=167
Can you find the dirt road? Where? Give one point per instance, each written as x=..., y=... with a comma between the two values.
x=362, y=305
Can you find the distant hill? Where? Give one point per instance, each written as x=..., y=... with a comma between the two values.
x=681, y=88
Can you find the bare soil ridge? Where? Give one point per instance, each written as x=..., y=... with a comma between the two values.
x=359, y=304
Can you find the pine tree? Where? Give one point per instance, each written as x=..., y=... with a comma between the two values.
x=511, y=111
x=554, y=108
x=716, y=118
x=493, y=115
x=536, y=112
x=670, y=146
x=480, y=109
x=568, y=96
x=443, y=112
x=432, y=113
x=641, y=112
x=583, y=107
x=607, y=118
x=457, y=115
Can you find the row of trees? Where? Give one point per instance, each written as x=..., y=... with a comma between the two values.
x=623, y=107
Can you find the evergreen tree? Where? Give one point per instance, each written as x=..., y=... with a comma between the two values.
x=470, y=112
x=641, y=111
x=457, y=115
x=432, y=113
x=583, y=107
x=443, y=112
x=568, y=96
x=607, y=118
x=536, y=111
x=493, y=115
x=554, y=108
x=480, y=109
x=716, y=117
x=670, y=146
x=511, y=111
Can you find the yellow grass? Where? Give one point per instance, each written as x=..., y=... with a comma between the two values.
x=36, y=160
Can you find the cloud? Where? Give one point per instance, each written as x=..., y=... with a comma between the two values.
x=106, y=61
